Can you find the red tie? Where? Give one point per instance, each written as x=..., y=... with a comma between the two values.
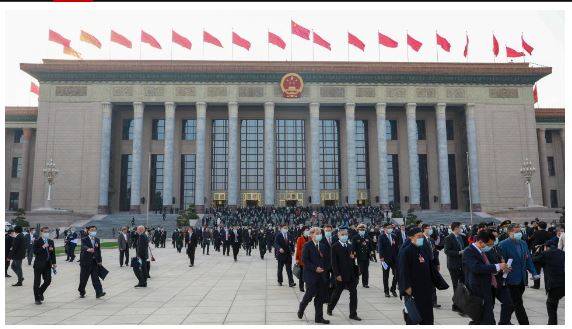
x=493, y=278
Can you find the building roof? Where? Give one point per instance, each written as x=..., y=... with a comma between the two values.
x=21, y=113
x=549, y=114
x=272, y=71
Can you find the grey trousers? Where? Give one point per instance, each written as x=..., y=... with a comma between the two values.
x=17, y=268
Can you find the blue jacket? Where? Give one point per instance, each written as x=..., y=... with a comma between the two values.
x=521, y=260
x=477, y=272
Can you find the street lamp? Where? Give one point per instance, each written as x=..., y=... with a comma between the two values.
x=50, y=172
x=527, y=171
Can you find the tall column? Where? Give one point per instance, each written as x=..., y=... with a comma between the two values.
x=105, y=156
x=473, y=157
x=543, y=166
x=382, y=155
x=563, y=146
x=351, y=153
x=414, y=199
x=443, y=154
x=137, y=157
x=315, y=153
x=168, y=155
x=22, y=195
x=269, y=162
x=233, y=140
x=200, y=157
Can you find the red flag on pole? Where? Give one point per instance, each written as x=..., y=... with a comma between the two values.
x=444, y=43
x=276, y=40
x=511, y=53
x=300, y=31
x=34, y=88
x=209, y=38
x=526, y=46
x=466, y=51
x=355, y=41
x=240, y=41
x=181, y=40
x=386, y=41
x=118, y=38
x=86, y=37
x=535, y=94
x=58, y=38
x=320, y=41
x=150, y=40
x=495, y=46
x=414, y=44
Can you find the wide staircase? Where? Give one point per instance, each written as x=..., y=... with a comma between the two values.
x=447, y=217
x=106, y=224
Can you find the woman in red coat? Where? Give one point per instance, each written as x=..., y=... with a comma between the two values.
x=302, y=239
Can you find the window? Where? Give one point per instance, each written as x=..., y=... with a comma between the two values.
x=548, y=136
x=423, y=181
x=290, y=155
x=189, y=130
x=453, y=181
x=18, y=136
x=362, y=155
x=252, y=154
x=188, y=171
x=449, y=125
x=13, y=205
x=553, y=199
x=391, y=130
x=393, y=179
x=17, y=167
x=330, y=155
x=156, y=184
x=551, y=167
x=127, y=130
x=158, y=129
x=421, y=130
x=125, y=183
x=219, y=154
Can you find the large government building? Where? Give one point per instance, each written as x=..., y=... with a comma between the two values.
x=127, y=135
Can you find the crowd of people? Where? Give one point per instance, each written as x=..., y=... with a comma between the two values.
x=329, y=250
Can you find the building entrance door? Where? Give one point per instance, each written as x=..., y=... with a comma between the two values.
x=291, y=203
x=252, y=203
x=330, y=203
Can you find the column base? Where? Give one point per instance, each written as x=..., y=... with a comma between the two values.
x=200, y=208
x=314, y=206
x=103, y=210
x=384, y=206
x=167, y=208
x=446, y=206
x=415, y=206
x=476, y=207
x=232, y=207
x=268, y=208
x=135, y=209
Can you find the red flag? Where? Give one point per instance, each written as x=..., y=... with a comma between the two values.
x=181, y=40
x=414, y=44
x=495, y=46
x=35, y=88
x=118, y=38
x=526, y=46
x=444, y=43
x=300, y=31
x=58, y=38
x=535, y=94
x=353, y=40
x=386, y=41
x=209, y=38
x=240, y=41
x=276, y=40
x=149, y=39
x=513, y=53
x=320, y=41
x=466, y=51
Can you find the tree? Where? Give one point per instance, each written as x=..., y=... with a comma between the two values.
x=184, y=218
x=20, y=219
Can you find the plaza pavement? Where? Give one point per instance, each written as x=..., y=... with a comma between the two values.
x=215, y=291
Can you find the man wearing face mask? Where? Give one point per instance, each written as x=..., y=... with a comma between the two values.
x=18, y=253
x=327, y=243
x=235, y=237
x=500, y=292
x=362, y=248
x=283, y=248
x=300, y=242
x=552, y=261
x=388, y=247
x=431, y=250
x=142, y=254
x=192, y=241
x=44, y=261
x=454, y=245
x=89, y=262
x=262, y=243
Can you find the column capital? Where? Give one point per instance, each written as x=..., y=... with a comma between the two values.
x=269, y=104
x=201, y=103
x=232, y=109
x=350, y=104
x=411, y=108
x=314, y=109
x=138, y=108
x=441, y=105
x=440, y=109
x=541, y=129
x=233, y=103
x=106, y=108
x=470, y=109
x=380, y=108
x=169, y=103
x=201, y=109
x=27, y=134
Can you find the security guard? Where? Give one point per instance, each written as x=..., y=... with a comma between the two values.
x=362, y=248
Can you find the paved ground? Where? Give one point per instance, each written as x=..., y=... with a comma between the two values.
x=215, y=291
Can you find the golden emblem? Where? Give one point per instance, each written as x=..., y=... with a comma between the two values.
x=291, y=85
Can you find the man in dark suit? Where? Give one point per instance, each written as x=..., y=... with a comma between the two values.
x=225, y=241
x=314, y=274
x=362, y=247
x=191, y=240
x=345, y=272
x=8, y=241
x=552, y=261
x=217, y=238
x=18, y=253
x=262, y=243
x=283, y=250
x=32, y=236
x=480, y=274
x=44, y=261
x=454, y=246
x=123, y=245
x=537, y=241
x=388, y=247
x=235, y=238
x=142, y=254
x=89, y=262
x=431, y=250
x=327, y=242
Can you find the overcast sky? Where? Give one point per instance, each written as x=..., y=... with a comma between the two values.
x=26, y=36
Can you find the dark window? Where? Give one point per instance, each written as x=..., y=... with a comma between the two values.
x=421, y=130
x=553, y=199
x=158, y=131
x=188, y=170
x=423, y=181
x=127, y=130
x=551, y=167
x=125, y=183
x=13, y=205
x=548, y=136
x=453, y=182
x=156, y=184
x=18, y=136
x=290, y=155
x=330, y=155
x=219, y=154
x=16, y=167
x=362, y=155
x=393, y=179
x=252, y=154
x=189, y=130
x=391, y=130
x=449, y=125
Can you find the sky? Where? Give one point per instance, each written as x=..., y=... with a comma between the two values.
x=26, y=35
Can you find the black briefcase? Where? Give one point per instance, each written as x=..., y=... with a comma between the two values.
x=438, y=280
x=102, y=272
x=411, y=310
x=470, y=304
x=297, y=271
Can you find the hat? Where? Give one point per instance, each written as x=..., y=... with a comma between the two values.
x=505, y=222
x=412, y=230
x=362, y=225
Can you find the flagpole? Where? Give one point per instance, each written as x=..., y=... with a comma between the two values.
x=171, y=45
x=313, y=45
x=291, y=44
x=348, y=45
x=437, y=47
x=232, y=45
x=407, y=45
x=140, y=47
x=267, y=44
x=203, y=57
x=467, y=45
x=378, y=48
x=494, y=56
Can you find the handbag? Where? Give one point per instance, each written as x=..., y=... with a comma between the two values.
x=135, y=262
x=438, y=280
x=297, y=271
x=411, y=309
x=470, y=304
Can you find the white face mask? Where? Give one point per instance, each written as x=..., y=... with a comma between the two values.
x=46, y=235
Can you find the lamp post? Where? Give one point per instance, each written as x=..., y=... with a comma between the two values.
x=50, y=172
x=527, y=171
